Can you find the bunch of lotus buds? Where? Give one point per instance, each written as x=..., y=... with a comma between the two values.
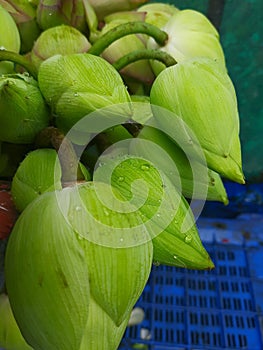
x=115, y=116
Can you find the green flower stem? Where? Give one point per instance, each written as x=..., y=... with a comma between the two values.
x=137, y=55
x=18, y=59
x=52, y=137
x=126, y=29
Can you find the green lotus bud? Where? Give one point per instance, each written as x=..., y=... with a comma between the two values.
x=99, y=323
x=202, y=95
x=165, y=213
x=106, y=7
x=140, y=70
x=10, y=335
x=24, y=14
x=24, y=112
x=119, y=266
x=191, y=35
x=77, y=84
x=158, y=14
x=9, y=38
x=38, y=173
x=99, y=260
x=193, y=177
x=62, y=40
x=52, y=13
x=50, y=299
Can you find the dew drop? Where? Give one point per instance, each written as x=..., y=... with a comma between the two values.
x=2, y=48
x=188, y=238
x=175, y=257
x=158, y=215
x=11, y=83
x=106, y=212
x=76, y=94
x=121, y=239
x=78, y=208
x=80, y=237
x=121, y=179
x=50, y=14
x=145, y=167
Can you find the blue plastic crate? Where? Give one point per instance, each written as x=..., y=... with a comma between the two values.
x=242, y=199
x=219, y=309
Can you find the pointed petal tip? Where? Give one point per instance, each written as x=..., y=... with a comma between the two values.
x=211, y=265
x=225, y=200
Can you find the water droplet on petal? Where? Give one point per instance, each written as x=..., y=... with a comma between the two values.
x=145, y=167
x=78, y=208
x=188, y=238
x=76, y=94
x=80, y=237
x=106, y=212
x=121, y=179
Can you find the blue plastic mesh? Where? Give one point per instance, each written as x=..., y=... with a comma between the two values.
x=219, y=309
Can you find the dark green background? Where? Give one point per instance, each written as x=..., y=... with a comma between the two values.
x=241, y=34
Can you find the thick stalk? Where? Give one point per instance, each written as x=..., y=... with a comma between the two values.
x=137, y=55
x=18, y=59
x=52, y=137
x=126, y=29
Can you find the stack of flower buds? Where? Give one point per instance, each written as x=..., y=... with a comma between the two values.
x=115, y=116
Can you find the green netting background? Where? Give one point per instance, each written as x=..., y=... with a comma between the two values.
x=241, y=33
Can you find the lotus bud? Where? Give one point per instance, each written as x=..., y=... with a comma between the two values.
x=140, y=70
x=24, y=112
x=191, y=35
x=78, y=84
x=10, y=335
x=50, y=299
x=38, y=173
x=24, y=14
x=106, y=7
x=193, y=177
x=93, y=255
x=165, y=213
x=158, y=14
x=201, y=94
x=52, y=13
x=117, y=247
x=9, y=38
x=62, y=40
x=99, y=323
